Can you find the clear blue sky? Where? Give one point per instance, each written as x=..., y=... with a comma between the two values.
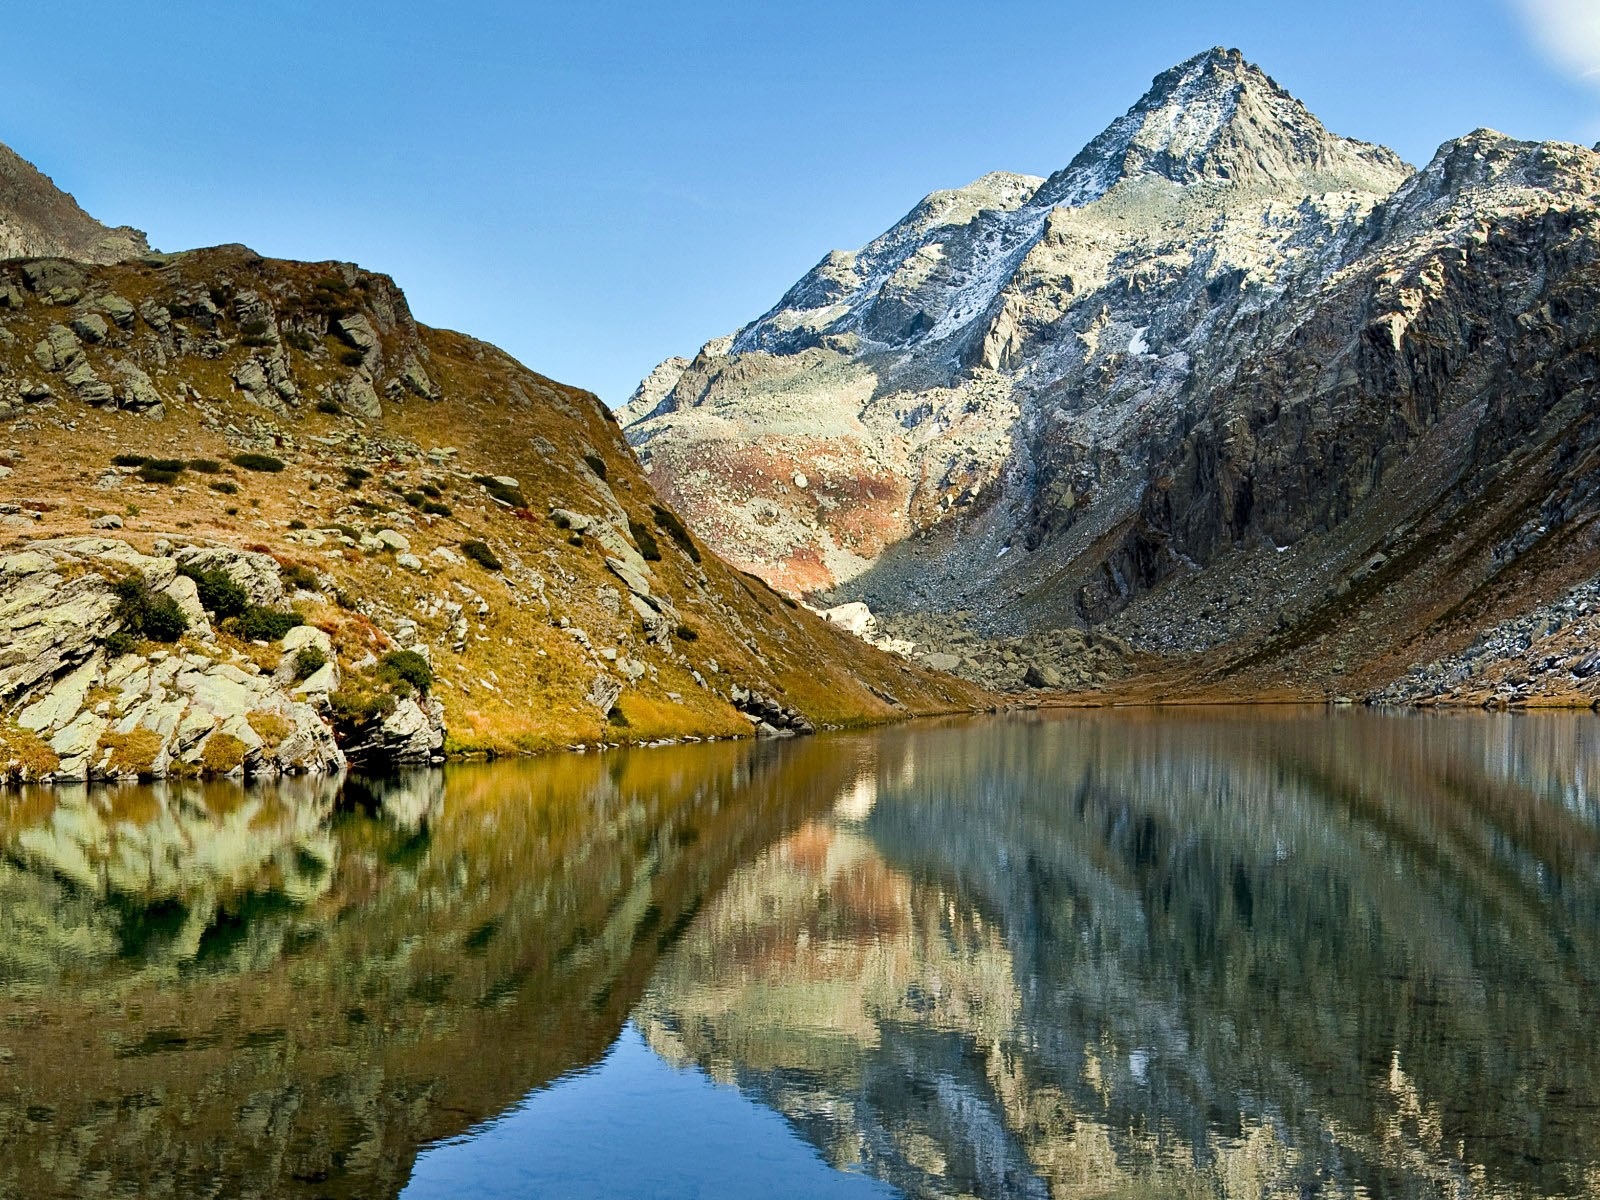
x=595, y=186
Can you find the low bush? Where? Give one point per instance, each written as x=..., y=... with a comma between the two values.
x=645, y=540
x=161, y=470
x=502, y=492
x=435, y=509
x=414, y=499
x=219, y=594
x=352, y=357
x=331, y=407
x=271, y=727
x=206, y=466
x=134, y=751
x=142, y=612
x=250, y=460
x=299, y=339
x=668, y=520
x=121, y=642
x=688, y=633
x=308, y=660
x=355, y=708
x=430, y=491
x=300, y=578
x=257, y=332
x=222, y=753
x=405, y=667
x=129, y=460
x=257, y=624
x=226, y=486
x=480, y=553
x=354, y=477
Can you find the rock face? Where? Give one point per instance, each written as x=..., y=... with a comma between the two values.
x=39, y=220
x=1188, y=388
x=75, y=706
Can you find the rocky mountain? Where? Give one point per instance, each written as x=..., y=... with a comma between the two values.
x=255, y=518
x=1229, y=388
x=39, y=220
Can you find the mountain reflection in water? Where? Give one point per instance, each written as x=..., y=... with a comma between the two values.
x=1187, y=954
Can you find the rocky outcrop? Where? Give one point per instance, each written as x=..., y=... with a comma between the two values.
x=78, y=705
x=412, y=733
x=1187, y=391
x=770, y=718
x=1549, y=656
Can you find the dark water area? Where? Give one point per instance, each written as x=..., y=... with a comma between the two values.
x=1196, y=953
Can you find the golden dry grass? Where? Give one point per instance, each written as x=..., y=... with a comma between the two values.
x=520, y=682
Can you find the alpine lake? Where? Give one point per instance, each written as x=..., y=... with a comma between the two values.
x=1193, y=953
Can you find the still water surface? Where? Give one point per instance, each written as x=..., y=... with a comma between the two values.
x=1177, y=954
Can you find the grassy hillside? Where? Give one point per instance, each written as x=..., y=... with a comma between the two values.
x=405, y=476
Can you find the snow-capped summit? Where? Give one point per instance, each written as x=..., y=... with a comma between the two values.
x=1221, y=330
x=1219, y=119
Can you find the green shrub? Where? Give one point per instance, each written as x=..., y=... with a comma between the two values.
x=257, y=624
x=688, y=633
x=161, y=470
x=145, y=613
x=129, y=460
x=415, y=499
x=297, y=523
x=480, y=553
x=352, y=357
x=354, y=477
x=300, y=578
x=355, y=708
x=121, y=642
x=501, y=492
x=645, y=540
x=434, y=509
x=596, y=464
x=257, y=332
x=308, y=660
x=299, y=339
x=430, y=491
x=668, y=520
x=252, y=461
x=219, y=594
x=206, y=466
x=226, y=486
x=405, y=667
x=331, y=407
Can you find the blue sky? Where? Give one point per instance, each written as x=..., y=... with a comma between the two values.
x=596, y=186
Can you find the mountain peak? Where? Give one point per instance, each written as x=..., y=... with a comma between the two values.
x=1217, y=118
x=39, y=220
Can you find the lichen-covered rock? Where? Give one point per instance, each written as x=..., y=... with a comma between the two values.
x=258, y=574
x=145, y=714
x=413, y=732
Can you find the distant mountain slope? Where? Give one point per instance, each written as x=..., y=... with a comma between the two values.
x=1196, y=388
x=39, y=220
